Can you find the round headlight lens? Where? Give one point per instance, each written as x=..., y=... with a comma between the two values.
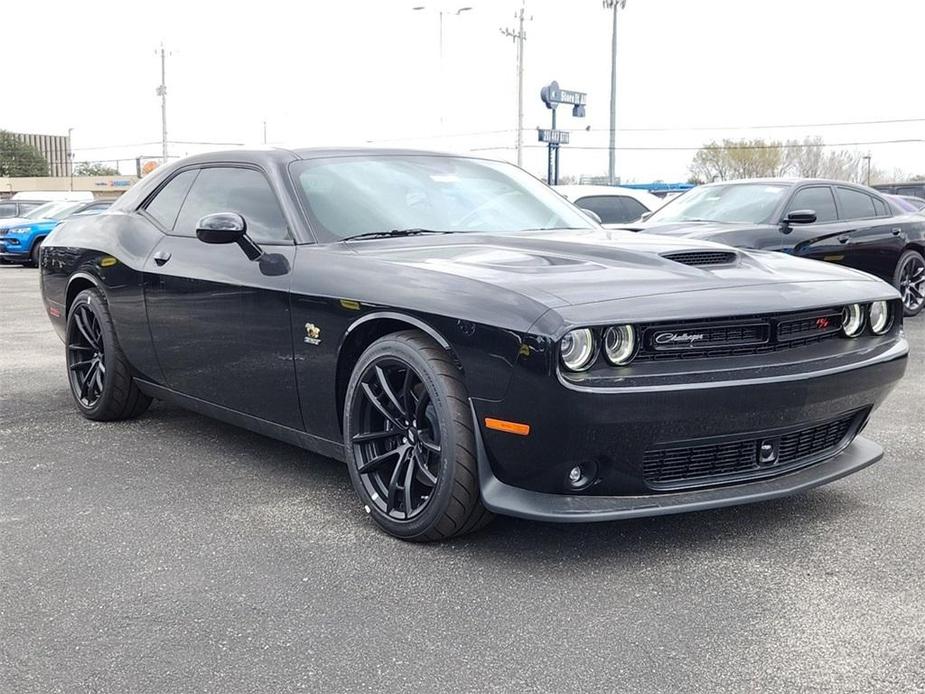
x=577, y=349
x=620, y=344
x=879, y=313
x=852, y=321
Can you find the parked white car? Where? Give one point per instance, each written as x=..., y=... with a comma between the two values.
x=614, y=206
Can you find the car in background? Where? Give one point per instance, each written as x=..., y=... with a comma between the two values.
x=835, y=221
x=54, y=195
x=915, y=189
x=612, y=205
x=21, y=238
x=14, y=209
x=907, y=203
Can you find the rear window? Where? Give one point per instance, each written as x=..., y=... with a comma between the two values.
x=855, y=205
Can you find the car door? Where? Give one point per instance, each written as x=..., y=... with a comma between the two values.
x=828, y=238
x=876, y=236
x=220, y=323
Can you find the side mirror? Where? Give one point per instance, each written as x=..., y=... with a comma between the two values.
x=645, y=215
x=227, y=227
x=221, y=227
x=592, y=214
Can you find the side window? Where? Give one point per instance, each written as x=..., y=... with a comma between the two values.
x=634, y=209
x=855, y=205
x=608, y=207
x=818, y=199
x=7, y=210
x=916, y=192
x=166, y=204
x=880, y=207
x=245, y=191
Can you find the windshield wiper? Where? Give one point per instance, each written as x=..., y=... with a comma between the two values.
x=395, y=233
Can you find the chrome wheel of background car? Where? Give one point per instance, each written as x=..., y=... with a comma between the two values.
x=397, y=447
x=912, y=283
x=85, y=356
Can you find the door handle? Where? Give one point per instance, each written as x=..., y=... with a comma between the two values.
x=896, y=231
x=161, y=257
x=843, y=239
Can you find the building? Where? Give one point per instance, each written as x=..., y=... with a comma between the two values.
x=55, y=148
x=100, y=186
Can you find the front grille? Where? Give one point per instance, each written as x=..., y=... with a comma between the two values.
x=702, y=257
x=723, y=337
x=752, y=456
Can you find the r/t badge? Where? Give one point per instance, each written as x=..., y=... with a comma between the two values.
x=312, y=334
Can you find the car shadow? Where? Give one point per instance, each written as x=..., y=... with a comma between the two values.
x=522, y=542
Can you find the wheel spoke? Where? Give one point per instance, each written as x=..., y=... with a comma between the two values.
x=376, y=435
x=85, y=329
x=80, y=364
x=374, y=463
x=409, y=478
x=393, y=485
x=379, y=406
x=430, y=479
x=86, y=381
x=430, y=446
x=81, y=348
x=389, y=393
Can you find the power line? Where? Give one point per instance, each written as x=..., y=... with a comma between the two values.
x=746, y=147
x=890, y=121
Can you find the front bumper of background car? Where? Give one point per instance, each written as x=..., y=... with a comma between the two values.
x=664, y=448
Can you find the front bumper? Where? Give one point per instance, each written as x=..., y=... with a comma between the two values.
x=616, y=428
x=10, y=251
x=570, y=508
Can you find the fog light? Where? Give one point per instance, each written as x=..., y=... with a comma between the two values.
x=575, y=474
x=581, y=476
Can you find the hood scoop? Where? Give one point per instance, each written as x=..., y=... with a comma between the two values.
x=697, y=258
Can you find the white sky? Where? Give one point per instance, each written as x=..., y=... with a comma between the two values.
x=322, y=72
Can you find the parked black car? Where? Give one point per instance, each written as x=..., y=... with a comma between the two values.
x=827, y=220
x=915, y=189
x=467, y=340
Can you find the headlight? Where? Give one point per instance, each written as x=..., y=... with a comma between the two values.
x=19, y=230
x=619, y=344
x=879, y=315
x=852, y=320
x=577, y=349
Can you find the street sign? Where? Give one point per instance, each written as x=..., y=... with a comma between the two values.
x=558, y=137
x=552, y=96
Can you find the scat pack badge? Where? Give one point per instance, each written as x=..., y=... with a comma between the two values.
x=312, y=334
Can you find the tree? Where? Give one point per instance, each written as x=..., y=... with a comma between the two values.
x=87, y=168
x=20, y=159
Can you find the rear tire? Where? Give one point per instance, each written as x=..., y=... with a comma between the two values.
x=98, y=372
x=36, y=254
x=909, y=279
x=410, y=444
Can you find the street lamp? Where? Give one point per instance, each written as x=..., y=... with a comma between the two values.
x=458, y=11
x=611, y=169
x=70, y=157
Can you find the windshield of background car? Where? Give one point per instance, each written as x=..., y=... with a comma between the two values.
x=746, y=203
x=53, y=210
x=346, y=196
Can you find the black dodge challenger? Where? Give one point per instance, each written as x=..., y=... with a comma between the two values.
x=467, y=340
x=826, y=220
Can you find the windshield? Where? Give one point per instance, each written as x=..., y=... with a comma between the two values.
x=352, y=195
x=53, y=210
x=746, y=203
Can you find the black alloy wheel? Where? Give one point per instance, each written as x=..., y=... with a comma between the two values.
x=85, y=356
x=409, y=438
x=99, y=374
x=397, y=449
x=910, y=281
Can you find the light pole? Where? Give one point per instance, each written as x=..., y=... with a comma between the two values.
x=162, y=92
x=612, y=149
x=458, y=11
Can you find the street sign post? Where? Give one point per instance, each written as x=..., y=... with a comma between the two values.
x=552, y=95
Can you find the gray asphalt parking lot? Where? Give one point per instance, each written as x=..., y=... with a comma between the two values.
x=175, y=553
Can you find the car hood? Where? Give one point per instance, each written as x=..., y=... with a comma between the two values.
x=563, y=268
x=13, y=222
x=22, y=221
x=710, y=231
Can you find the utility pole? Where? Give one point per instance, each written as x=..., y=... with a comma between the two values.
x=162, y=92
x=519, y=36
x=612, y=149
x=867, y=159
x=70, y=159
x=264, y=132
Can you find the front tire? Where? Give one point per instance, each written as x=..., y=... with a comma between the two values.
x=410, y=442
x=36, y=254
x=98, y=372
x=909, y=279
